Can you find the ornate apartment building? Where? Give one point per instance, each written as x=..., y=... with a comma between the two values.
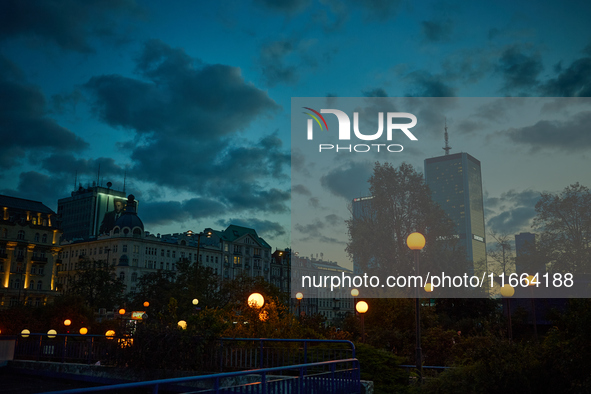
x=132, y=251
x=29, y=248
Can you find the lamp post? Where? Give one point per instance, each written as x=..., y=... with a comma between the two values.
x=530, y=283
x=361, y=308
x=299, y=296
x=507, y=291
x=416, y=242
x=208, y=234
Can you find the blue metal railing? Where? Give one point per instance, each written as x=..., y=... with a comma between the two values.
x=224, y=354
x=330, y=380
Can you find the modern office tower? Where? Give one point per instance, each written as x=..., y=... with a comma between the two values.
x=89, y=212
x=456, y=184
x=525, y=245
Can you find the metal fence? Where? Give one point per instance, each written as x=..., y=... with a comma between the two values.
x=221, y=355
x=338, y=376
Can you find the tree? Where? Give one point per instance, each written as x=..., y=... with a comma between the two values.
x=564, y=222
x=97, y=284
x=402, y=204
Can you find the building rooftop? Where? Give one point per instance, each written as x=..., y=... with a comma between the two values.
x=25, y=205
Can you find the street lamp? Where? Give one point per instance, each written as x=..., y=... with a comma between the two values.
x=182, y=324
x=416, y=242
x=256, y=300
x=361, y=308
x=531, y=282
x=195, y=301
x=51, y=334
x=507, y=291
x=84, y=331
x=354, y=292
x=299, y=297
x=67, y=322
x=146, y=304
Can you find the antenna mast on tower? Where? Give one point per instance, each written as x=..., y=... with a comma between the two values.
x=447, y=147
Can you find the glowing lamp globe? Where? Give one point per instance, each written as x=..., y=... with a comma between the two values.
x=67, y=322
x=182, y=324
x=51, y=334
x=507, y=291
x=195, y=301
x=122, y=311
x=415, y=241
x=354, y=292
x=146, y=304
x=299, y=295
x=110, y=334
x=361, y=307
x=530, y=280
x=428, y=287
x=25, y=333
x=256, y=300
x=84, y=331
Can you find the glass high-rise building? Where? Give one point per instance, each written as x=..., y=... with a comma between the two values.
x=456, y=184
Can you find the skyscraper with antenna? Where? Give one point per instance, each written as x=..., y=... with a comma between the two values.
x=455, y=181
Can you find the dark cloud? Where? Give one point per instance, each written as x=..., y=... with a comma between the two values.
x=569, y=135
x=301, y=189
x=519, y=69
x=37, y=186
x=313, y=232
x=182, y=97
x=188, y=116
x=512, y=212
x=24, y=122
x=66, y=163
x=70, y=24
x=349, y=180
x=333, y=219
x=377, y=92
x=425, y=84
x=169, y=212
x=573, y=81
x=283, y=61
x=436, y=31
x=379, y=10
x=264, y=228
x=314, y=202
x=273, y=63
x=285, y=6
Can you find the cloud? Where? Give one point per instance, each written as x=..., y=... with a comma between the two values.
x=24, y=122
x=301, y=189
x=285, y=6
x=512, y=212
x=569, y=135
x=188, y=117
x=426, y=84
x=70, y=24
x=437, y=31
x=519, y=69
x=573, y=81
x=377, y=92
x=312, y=232
x=284, y=61
x=264, y=228
x=66, y=163
x=155, y=213
x=37, y=186
x=349, y=180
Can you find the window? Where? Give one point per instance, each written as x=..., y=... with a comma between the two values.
x=4, y=233
x=101, y=250
x=17, y=283
x=32, y=285
x=20, y=235
x=124, y=248
x=37, y=237
x=162, y=252
x=167, y=266
x=136, y=248
x=207, y=259
x=168, y=253
x=173, y=254
x=237, y=249
x=39, y=285
x=33, y=269
x=44, y=238
x=122, y=275
x=161, y=265
x=134, y=277
x=237, y=260
x=115, y=248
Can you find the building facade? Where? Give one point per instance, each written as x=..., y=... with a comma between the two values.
x=133, y=252
x=333, y=305
x=89, y=212
x=456, y=184
x=29, y=248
